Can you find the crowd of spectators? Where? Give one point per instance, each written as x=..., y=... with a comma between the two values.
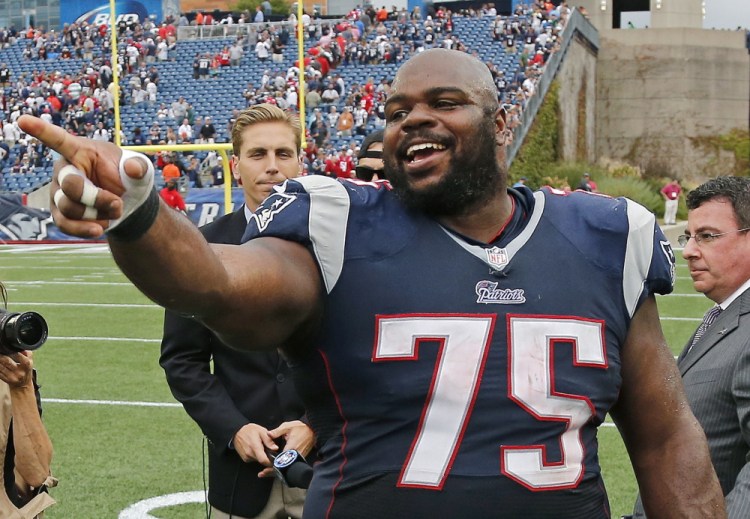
x=339, y=111
x=83, y=102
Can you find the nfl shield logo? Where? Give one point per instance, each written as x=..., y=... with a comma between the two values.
x=497, y=257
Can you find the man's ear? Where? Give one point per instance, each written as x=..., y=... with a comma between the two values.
x=503, y=135
x=235, y=170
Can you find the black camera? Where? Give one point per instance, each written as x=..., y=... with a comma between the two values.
x=21, y=331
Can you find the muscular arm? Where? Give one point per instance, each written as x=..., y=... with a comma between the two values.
x=666, y=444
x=264, y=293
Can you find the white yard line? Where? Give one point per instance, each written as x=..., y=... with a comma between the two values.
x=109, y=402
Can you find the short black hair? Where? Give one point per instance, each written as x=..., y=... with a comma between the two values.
x=376, y=136
x=736, y=190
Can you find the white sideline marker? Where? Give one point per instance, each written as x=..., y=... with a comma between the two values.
x=141, y=509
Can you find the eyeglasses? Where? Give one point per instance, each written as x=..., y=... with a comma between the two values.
x=705, y=237
x=366, y=173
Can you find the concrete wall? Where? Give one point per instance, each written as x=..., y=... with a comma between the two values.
x=577, y=99
x=676, y=13
x=662, y=92
x=664, y=13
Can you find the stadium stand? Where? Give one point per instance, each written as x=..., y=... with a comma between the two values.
x=507, y=44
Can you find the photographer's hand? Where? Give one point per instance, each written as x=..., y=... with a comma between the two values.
x=15, y=369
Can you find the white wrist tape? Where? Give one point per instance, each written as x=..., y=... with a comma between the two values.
x=136, y=190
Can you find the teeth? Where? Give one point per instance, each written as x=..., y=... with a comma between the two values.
x=427, y=145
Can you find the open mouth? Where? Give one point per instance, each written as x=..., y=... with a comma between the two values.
x=419, y=154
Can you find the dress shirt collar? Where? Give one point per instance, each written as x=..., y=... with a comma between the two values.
x=737, y=293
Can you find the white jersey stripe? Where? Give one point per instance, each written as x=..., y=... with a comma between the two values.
x=329, y=214
x=638, y=253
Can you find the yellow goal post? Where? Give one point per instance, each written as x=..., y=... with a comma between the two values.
x=220, y=148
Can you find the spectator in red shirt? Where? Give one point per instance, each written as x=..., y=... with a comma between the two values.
x=172, y=197
x=671, y=193
x=224, y=57
x=341, y=165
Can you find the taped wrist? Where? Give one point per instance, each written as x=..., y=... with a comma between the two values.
x=139, y=221
x=137, y=190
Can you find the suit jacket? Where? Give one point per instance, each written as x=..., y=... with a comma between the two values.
x=246, y=387
x=716, y=375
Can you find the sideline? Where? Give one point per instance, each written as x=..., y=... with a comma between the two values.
x=130, y=403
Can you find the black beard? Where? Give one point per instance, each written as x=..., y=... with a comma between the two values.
x=472, y=179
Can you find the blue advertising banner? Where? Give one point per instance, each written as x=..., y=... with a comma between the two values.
x=96, y=12
x=25, y=224
x=207, y=204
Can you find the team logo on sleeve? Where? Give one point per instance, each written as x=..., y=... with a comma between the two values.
x=666, y=248
x=270, y=208
x=489, y=293
x=496, y=257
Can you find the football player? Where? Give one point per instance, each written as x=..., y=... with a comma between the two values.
x=457, y=344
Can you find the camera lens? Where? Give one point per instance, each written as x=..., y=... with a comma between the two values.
x=23, y=331
x=31, y=329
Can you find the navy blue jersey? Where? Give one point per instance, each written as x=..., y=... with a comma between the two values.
x=453, y=378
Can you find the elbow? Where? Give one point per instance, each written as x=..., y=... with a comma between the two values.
x=37, y=479
x=35, y=471
x=36, y=476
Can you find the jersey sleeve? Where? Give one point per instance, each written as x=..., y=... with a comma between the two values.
x=312, y=211
x=649, y=266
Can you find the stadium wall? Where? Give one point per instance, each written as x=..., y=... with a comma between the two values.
x=663, y=93
x=577, y=102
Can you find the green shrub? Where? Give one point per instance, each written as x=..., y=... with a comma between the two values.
x=278, y=7
x=540, y=148
x=636, y=189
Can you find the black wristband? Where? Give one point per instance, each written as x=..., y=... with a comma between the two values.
x=139, y=221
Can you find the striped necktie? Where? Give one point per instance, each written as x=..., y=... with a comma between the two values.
x=708, y=320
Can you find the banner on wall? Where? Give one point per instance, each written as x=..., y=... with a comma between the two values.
x=21, y=223
x=96, y=12
x=25, y=224
x=206, y=205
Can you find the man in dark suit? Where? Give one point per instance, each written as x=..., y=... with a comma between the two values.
x=248, y=404
x=715, y=364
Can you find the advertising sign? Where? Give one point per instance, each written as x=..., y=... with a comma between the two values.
x=96, y=12
x=25, y=224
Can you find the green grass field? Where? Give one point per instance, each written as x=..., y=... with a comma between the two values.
x=119, y=436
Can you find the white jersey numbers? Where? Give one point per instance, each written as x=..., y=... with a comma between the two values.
x=530, y=347
x=464, y=342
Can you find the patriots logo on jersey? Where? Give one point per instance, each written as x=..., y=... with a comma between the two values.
x=264, y=215
x=496, y=257
x=489, y=294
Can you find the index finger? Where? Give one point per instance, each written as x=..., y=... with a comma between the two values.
x=50, y=135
